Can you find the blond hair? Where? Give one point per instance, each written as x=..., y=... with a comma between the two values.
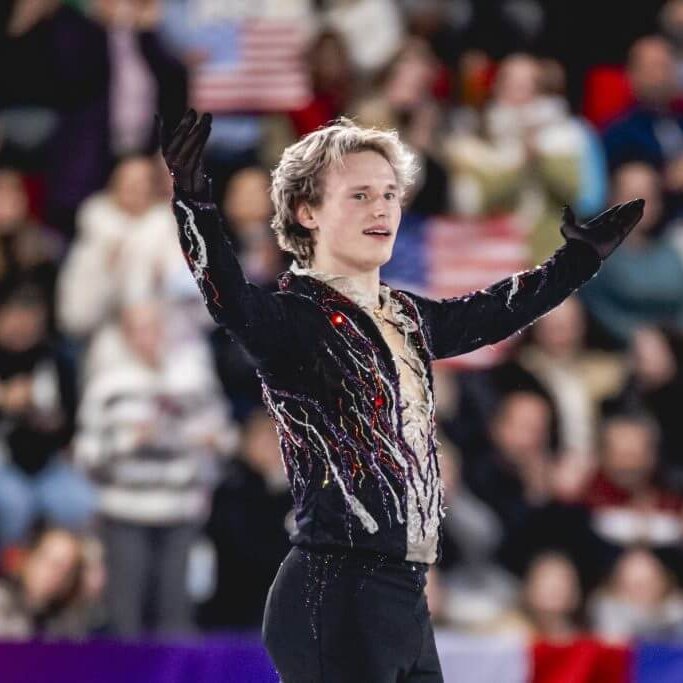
x=298, y=176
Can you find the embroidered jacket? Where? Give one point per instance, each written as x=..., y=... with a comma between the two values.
x=331, y=384
x=416, y=397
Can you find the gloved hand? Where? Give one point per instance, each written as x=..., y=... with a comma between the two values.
x=182, y=151
x=607, y=230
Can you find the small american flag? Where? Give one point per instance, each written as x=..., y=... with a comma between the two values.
x=442, y=257
x=254, y=64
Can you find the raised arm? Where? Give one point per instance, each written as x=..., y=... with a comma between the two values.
x=463, y=324
x=260, y=320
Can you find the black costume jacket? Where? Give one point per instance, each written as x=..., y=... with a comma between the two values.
x=331, y=385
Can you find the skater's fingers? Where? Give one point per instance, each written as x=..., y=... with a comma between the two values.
x=180, y=134
x=197, y=140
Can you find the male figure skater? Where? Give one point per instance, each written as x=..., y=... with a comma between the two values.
x=344, y=362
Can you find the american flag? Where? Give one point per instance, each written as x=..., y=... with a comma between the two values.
x=253, y=64
x=442, y=257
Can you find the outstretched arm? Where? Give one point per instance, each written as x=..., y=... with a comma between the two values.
x=260, y=320
x=463, y=324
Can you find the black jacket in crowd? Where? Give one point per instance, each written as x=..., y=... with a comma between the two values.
x=330, y=383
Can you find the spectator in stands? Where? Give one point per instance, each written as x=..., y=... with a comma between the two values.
x=652, y=130
x=249, y=526
x=28, y=250
x=151, y=423
x=45, y=598
x=516, y=476
x=467, y=590
x=529, y=155
x=655, y=385
x=247, y=209
x=627, y=503
x=552, y=598
x=517, y=471
x=369, y=48
x=332, y=80
x=671, y=24
x=404, y=99
x=444, y=29
x=126, y=247
x=641, y=599
x=643, y=285
x=578, y=379
x=104, y=77
x=37, y=404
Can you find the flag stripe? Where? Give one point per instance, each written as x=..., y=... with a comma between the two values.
x=442, y=258
x=267, y=72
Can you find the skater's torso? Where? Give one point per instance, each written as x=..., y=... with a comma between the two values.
x=415, y=399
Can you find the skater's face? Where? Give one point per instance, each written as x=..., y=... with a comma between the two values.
x=359, y=194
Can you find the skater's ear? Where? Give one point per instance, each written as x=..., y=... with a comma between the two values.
x=304, y=216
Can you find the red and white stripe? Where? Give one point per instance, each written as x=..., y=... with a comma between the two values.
x=467, y=255
x=269, y=75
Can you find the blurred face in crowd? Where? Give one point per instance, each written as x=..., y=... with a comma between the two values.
x=13, y=201
x=652, y=71
x=560, y=333
x=411, y=76
x=628, y=453
x=143, y=330
x=672, y=22
x=359, y=194
x=640, y=579
x=517, y=81
x=23, y=325
x=653, y=360
x=247, y=199
x=52, y=568
x=552, y=588
x=522, y=425
x=639, y=180
x=133, y=185
x=331, y=66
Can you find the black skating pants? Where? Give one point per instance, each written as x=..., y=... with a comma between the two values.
x=339, y=617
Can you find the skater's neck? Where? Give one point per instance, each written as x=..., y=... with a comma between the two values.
x=362, y=287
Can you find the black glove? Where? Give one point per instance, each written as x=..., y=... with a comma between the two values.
x=606, y=231
x=182, y=151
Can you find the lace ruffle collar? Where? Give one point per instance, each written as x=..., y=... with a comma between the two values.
x=345, y=285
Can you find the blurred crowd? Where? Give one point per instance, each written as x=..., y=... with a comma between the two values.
x=141, y=486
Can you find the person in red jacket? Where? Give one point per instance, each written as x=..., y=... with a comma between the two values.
x=345, y=366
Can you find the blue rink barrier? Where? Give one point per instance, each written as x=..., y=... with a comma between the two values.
x=205, y=659
x=232, y=658
x=658, y=663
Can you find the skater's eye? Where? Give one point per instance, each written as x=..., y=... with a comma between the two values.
x=389, y=195
x=359, y=195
